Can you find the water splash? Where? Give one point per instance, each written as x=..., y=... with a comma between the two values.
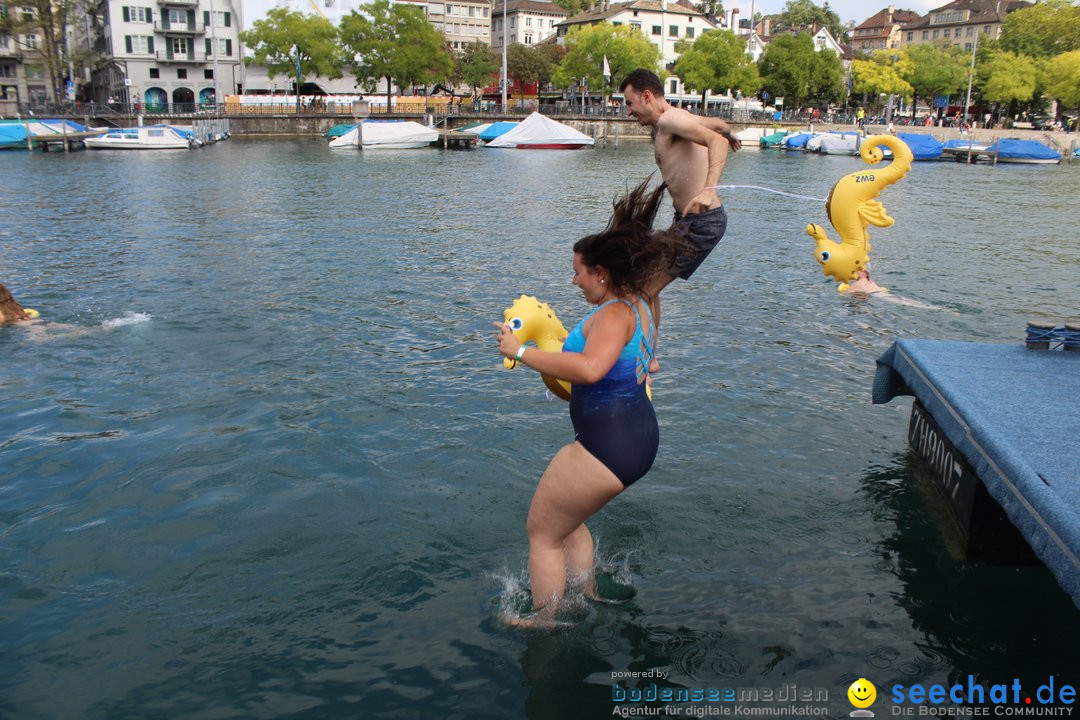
x=128, y=318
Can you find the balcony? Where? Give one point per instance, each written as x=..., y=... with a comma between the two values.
x=191, y=57
x=179, y=28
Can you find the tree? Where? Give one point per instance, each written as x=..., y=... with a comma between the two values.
x=804, y=14
x=396, y=43
x=1061, y=78
x=711, y=9
x=1006, y=77
x=1048, y=28
x=587, y=46
x=882, y=73
x=295, y=45
x=48, y=22
x=717, y=61
x=826, y=78
x=476, y=65
x=573, y=7
x=935, y=71
x=785, y=67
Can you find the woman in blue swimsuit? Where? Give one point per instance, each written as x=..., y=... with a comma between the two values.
x=606, y=359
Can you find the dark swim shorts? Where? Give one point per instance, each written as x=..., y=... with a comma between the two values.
x=703, y=231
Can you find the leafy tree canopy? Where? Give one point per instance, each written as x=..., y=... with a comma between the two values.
x=1045, y=29
x=935, y=70
x=717, y=61
x=476, y=65
x=1061, y=78
x=587, y=46
x=802, y=14
x=272, y=39
x=785, y=67
x=883, y=73
x=1006, y=76
x=573, y=7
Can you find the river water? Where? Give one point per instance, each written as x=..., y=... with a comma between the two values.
x=267, y=463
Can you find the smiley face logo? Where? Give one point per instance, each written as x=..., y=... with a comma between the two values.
x=862, y=693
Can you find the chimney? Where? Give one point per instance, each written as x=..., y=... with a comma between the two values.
x=892, y=9
x=734, y=25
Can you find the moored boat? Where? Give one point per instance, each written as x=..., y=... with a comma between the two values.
x=144, y=137
x=539, y=132
x=387, y=135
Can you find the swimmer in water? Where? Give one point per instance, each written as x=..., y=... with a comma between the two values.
x=11, y=312
x=606, y=359
x=864, y=285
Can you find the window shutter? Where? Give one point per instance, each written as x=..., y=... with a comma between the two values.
x=149, y=15
x=208, y=50
x=228, y=44
x=206, y=18
x=228, y=19
x=150, y=44
x=127, y=16
x=127, y=41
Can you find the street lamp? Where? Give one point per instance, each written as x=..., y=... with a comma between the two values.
x=296, y=59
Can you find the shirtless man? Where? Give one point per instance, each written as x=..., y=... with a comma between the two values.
x=690, y=151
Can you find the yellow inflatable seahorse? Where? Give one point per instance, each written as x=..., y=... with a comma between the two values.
x=852, y=207
x=531, y=320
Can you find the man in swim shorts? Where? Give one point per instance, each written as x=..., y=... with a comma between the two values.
x=690, y=152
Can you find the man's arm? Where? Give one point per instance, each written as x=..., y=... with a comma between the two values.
x=719, y=126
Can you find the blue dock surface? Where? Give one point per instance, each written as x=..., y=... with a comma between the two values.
x=1014, y=414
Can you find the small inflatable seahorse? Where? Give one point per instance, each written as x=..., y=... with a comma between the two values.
x=531, y=320
x=852, y=207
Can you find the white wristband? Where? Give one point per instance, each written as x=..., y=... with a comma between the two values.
x=520, y=352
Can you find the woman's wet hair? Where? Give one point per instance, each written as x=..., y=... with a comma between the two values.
x=628, y=248
x=10, y=309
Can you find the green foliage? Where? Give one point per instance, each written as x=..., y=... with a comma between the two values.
x=49, y=20
x=476, y=65
x=717, y=61
x=1048, y=28
x=882, y=73
x=573, y=7
x=1061, y=78
x=802, y=14
x=792, y=69
x=587, y=46
x=395, y=42
x=936, y=71
x=710, y=8
x=1005, y=76
x=272, y=39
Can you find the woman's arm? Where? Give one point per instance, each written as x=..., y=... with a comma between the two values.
x=611, y=328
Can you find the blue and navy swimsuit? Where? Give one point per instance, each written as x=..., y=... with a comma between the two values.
x=614, y=418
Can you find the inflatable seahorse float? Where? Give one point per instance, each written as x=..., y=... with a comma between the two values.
x=533, y=321
x=852, y=207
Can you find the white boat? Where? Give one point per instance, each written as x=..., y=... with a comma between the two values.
x=838, y=143
x=143, y=137
x=387, y=135
x=538, y=132
x=751, y=137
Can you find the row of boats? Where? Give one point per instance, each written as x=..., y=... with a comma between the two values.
x=923, y=146
x=536, y=132
x=19, y=134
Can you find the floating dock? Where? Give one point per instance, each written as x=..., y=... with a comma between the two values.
x=1003, y=421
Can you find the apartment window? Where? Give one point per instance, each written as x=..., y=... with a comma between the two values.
x=986, y=29
x=967, y=47
x=528, y=22
x=970, y=30
x=435, y=9
x=34, y=72
x=30, y=41
x=176, y=17
x=616, y=23
x=945, y=32
x=180, y=46
x=925, y=34
x=221, y=19
x=528, y=38
x=635, y=26
x=181, y=74
x=208, y=74
x=155, y=73
x=689, y=32
x=137, y=14
x=674, y=87
x=657, y=30
x=7, y=71
x=935, y=34
x=911, y=36
x=142, y=44
x=673, y=31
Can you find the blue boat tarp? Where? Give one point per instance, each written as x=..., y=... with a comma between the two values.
x=339, y=130
x=11, y=135
x=923, y=147
x=496, y=129
x=797, y=141
x=1023, y=149
x=1013, y=414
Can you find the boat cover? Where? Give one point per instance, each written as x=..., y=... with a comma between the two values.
x=1023, y=150
x=798, y=141
x=538, y=129
x=387, y=132
x=496, y=129
x=839, y=144
x=1014, y=415
x=12, y=134
x=922, y=146
x=773, y=139
x=962, y=143
x=339, y=130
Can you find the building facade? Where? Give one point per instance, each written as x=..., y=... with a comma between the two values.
x=960, y=22
x=527, y=22
x=882, y=30
x=179, y=54
x=663, y=23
